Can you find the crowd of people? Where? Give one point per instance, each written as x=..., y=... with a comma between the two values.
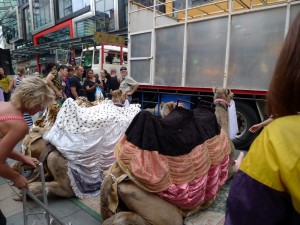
x=68, y=82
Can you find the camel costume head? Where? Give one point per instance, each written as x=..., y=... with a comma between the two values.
x=118, y=97
x=167, y=107
x=222, y=95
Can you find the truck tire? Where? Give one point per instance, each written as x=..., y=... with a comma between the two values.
x=246, y=117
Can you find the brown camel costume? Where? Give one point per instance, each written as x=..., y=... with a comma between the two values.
x=156, y=160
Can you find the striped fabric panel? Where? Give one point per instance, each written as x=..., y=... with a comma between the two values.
x=28, y=119
x=200, y=190
x=156, y=172
x=5, y=118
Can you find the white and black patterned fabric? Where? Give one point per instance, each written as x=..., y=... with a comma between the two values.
x=86, y=137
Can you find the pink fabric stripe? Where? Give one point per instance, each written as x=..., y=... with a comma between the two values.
x=5, y=118
x=199, y=190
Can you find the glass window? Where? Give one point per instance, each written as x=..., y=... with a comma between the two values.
x=87, y=57
x=108, y=5
x=105, y=15
x=79, y=4
x=28, y=28
x=41, y=13
x=96, y=57
x=99, y=5
x=67, y=7
x=64, y=8
x=22, y=2
x=123, y=12
x=10, y=26
x=85, y=27
x=145, y=2
x=59, y=35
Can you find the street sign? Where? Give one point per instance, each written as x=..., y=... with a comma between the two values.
x=100, y=37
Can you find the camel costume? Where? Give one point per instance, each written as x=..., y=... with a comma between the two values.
x=183, y=158
x=86, y=138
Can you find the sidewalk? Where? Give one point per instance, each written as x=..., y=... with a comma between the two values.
x=63, y=208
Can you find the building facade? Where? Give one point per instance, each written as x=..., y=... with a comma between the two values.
x=40, y=31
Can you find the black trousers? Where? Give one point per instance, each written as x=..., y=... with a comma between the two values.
x=2, y=218
x=6, y=96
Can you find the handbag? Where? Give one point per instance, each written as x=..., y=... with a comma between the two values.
x=98, y=92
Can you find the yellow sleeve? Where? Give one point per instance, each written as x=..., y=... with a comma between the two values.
x=274, y=157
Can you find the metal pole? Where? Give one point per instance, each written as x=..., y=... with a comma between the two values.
x=153, y=46
x=227, y=45
x=288, y=17
x=42, y=175
x=184, y=45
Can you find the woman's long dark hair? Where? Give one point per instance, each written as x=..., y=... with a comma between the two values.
x=87, y=72
x=284, y=90
x=49, y=66
x=107, y=75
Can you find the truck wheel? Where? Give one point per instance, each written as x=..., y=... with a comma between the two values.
x=246, y=117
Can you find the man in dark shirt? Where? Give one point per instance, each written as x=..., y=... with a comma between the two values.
x=115, y=80
x=76, y=84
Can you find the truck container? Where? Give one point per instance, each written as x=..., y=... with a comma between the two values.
x=182, y=49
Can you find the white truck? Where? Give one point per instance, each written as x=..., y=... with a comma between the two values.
x=108, y=52
x=111, y=57
x=182, y=49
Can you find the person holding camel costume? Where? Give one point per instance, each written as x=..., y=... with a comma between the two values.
x=31, y=96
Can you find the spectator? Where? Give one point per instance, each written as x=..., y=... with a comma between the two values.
x=90, y=85
x=31, y=96
x=115, y=80
x=66, y=79
x=5, y=84
x=105, y=78
x=266, y=188
x=76, y=84
x=128, y=85
x=54, y=80
x=16, y=83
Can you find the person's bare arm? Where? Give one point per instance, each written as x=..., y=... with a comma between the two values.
x=14, y=83
x=16, y=131
x=24, y=159
x=258, y=126
x=89, y=89
x=134, y=88
x=74, y=92
x=49, y=79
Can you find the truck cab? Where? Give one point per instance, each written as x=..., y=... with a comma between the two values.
x=105, y=56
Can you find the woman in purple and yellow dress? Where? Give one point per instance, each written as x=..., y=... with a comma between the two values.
x=266, y=189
